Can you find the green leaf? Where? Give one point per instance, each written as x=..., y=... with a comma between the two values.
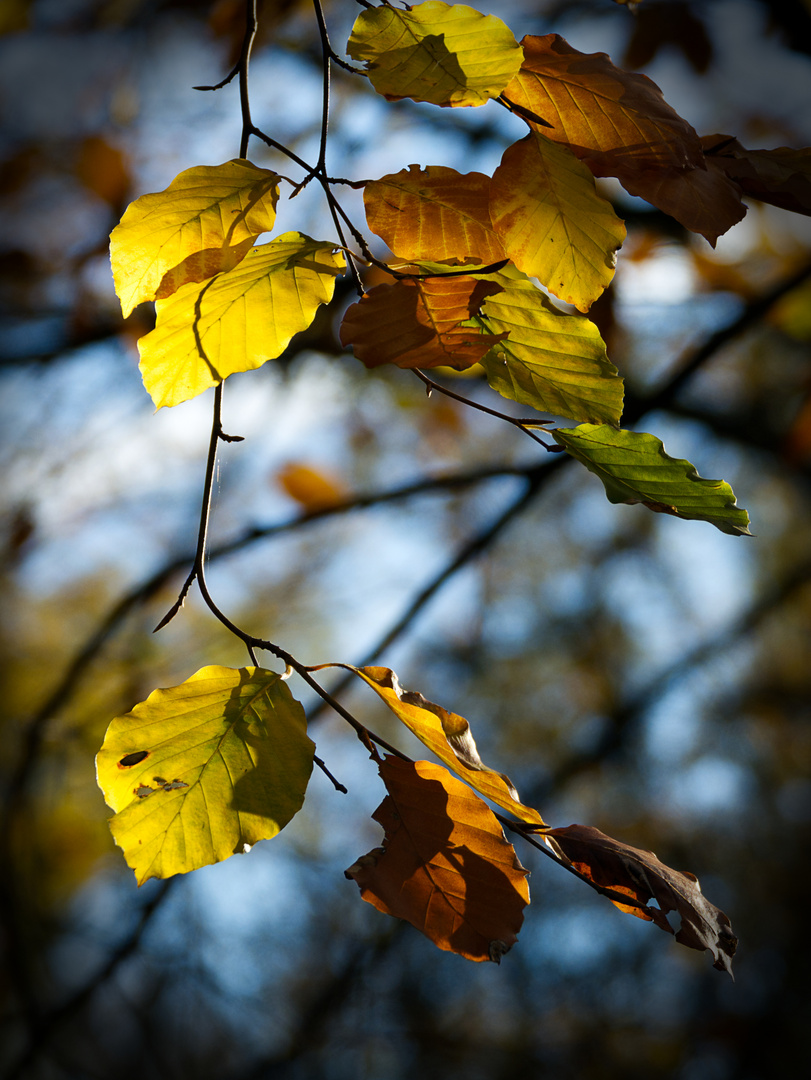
x=552, y=223
x=205, y=222
x=634, y=468
x=552, y=361
x=445, y=54
x=238, y=320
x=448, y=736
x=197, y=771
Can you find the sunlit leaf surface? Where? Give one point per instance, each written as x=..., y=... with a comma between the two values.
x=205, y=222
x=553, y=223
x=445, y=54
x=445, y=865
x=634, y=468
x=552, y=361
x=448, y=736
x=238, y=320
x=434, y=214
x=197, y=771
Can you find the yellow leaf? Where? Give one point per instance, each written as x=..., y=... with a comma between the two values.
x=203, y=223
x=435, y=214
x=551, y=221
x=238, y=320
x=445, y=54
x=446, y=735
x=197, y=771
x=445, y=866
x=552, y=361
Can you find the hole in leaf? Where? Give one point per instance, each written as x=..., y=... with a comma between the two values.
x=128, y=760
x=143, y=791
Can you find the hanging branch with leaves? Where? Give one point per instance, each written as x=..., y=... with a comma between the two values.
x=497, y=272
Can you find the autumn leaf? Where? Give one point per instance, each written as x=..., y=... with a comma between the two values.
x=434, y=214
x=553, y=361
x=445, y=54
x=239, y=319
x=197, y=771
x=418, y=324
x=781, y=177
x=445, y=865
x=619, y=124
x=448, y=736
x=205, y=222
x=313, y=489
x=642, y=877
x=634, y=468
x=616, y=121
x=552, y=223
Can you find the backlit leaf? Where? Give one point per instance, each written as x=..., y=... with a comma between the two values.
x=445, y=54
x=446, y=735
x=239, y=319
x=616, y=121
x=781, y=177
x=619, y=124
x=634, y=468
x=418, y=324
x=552, y=361
x=435, y=214
x=642, y=877
x=203, y=223
x=445, y=865
x=197, y=771
x=552, y=223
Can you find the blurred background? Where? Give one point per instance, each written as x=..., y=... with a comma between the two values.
x=645, y=675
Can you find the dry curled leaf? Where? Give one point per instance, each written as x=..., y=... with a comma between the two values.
x=642, y=877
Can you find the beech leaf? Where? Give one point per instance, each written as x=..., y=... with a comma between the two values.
x=642, y=877
x=199, y=770
x=552, y=222
x=445, y=865
x=553, y=361
x=239, y=319
x=781, y=177
x=445, y=54
x=446, y=735
x=619, y=124
x=203, y=223
x=419, y=324
x=434, y=215
x=634, y=468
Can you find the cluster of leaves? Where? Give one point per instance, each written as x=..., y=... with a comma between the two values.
x=497, y=271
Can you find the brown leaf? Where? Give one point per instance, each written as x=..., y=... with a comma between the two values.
x=418, y=324
x=781, y=177
x=641, y=876
x=613, y=120
x=445, y=865
x=619, y=124
x=434, y=215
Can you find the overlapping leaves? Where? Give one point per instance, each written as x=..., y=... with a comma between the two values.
x=445, y=54
x=223, y=305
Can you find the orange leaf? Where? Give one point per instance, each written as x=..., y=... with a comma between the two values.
x=619, y=124
x=641, y=876
x=417, y=324
x=433, y=215
x=445, y=865
x=311, y=488
x=447, y=735
x=614, y=120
